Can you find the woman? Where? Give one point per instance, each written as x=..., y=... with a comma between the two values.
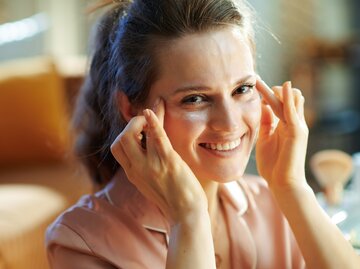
x=173, y=93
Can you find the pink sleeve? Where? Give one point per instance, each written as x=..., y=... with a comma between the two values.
x=61, y=257
x=67, y=249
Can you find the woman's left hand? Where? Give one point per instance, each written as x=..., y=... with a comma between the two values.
x=282, y=141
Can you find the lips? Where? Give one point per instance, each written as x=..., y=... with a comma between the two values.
x=227, y=146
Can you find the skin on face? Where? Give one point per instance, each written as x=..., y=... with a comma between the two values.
x=207, y=81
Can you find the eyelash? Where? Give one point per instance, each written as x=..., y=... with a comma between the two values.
x=249, y=88
x=189, y=100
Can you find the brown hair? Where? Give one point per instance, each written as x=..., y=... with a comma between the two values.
x=123, y=59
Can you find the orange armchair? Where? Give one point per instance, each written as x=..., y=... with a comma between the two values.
x=39, y=175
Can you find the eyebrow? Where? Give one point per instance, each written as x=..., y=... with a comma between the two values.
x=205, y=88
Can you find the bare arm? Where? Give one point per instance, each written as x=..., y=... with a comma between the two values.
x=163, y=177
x=320, y=241
x=281, y=151
x=191, y=244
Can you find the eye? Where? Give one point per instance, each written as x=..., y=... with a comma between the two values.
x=244, y=89
x=193, y=99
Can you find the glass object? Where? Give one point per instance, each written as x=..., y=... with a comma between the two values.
x=345, y=215
x=333, y=169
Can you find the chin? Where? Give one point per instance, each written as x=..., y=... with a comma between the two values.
x=222, y=176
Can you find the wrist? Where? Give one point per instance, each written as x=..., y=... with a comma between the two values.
x=289, y=193
x=191, y=242
x=192, y=217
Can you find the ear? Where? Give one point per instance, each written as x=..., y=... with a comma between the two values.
x=125, y=107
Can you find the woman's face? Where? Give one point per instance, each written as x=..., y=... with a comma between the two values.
x=213, y=109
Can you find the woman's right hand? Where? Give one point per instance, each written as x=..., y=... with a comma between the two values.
x=158, y=171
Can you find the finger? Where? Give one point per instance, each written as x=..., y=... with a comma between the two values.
x=159, y=110
x=270, y=98
x=279, y=95
x=299, y=102
x=278, y=92
x=118, y=152
x=290, y=113
x=157, y=141
x=300, y=107
x=267, y=122
x=130, y=139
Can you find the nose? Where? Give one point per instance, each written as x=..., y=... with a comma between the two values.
x=225, y=117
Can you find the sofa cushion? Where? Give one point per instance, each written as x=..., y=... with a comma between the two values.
x=34, y=119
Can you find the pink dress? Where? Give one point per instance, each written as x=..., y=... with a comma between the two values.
x=118, y=228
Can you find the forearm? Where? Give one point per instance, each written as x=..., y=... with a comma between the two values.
x=191, y=244
x=321, y=242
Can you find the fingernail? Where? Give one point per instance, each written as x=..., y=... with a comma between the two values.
x=289, y=84
x=146, y=113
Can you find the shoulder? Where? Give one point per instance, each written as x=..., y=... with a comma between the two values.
x=254, y=186
x=247, y=194
x=112, y=232
x=262, y=207
x=258, y=194
x=255, y=183
x=267, y=220
x=249, y=187
x=74, y=226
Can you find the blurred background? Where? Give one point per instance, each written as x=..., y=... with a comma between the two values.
x=43, y=59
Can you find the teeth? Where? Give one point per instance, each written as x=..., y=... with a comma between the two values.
x=223, y=147
x=226, y=146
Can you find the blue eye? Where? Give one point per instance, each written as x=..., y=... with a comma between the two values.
x=244, y=89
x=193, y=99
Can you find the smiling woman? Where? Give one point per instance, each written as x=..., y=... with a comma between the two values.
x=204, y=81
x=169, y=114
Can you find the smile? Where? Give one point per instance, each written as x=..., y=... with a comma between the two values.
x=222, y=146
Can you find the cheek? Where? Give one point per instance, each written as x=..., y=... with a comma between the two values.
x=182, y=127
x=253, y=115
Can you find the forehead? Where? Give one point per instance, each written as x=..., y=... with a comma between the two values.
x=216, y=57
